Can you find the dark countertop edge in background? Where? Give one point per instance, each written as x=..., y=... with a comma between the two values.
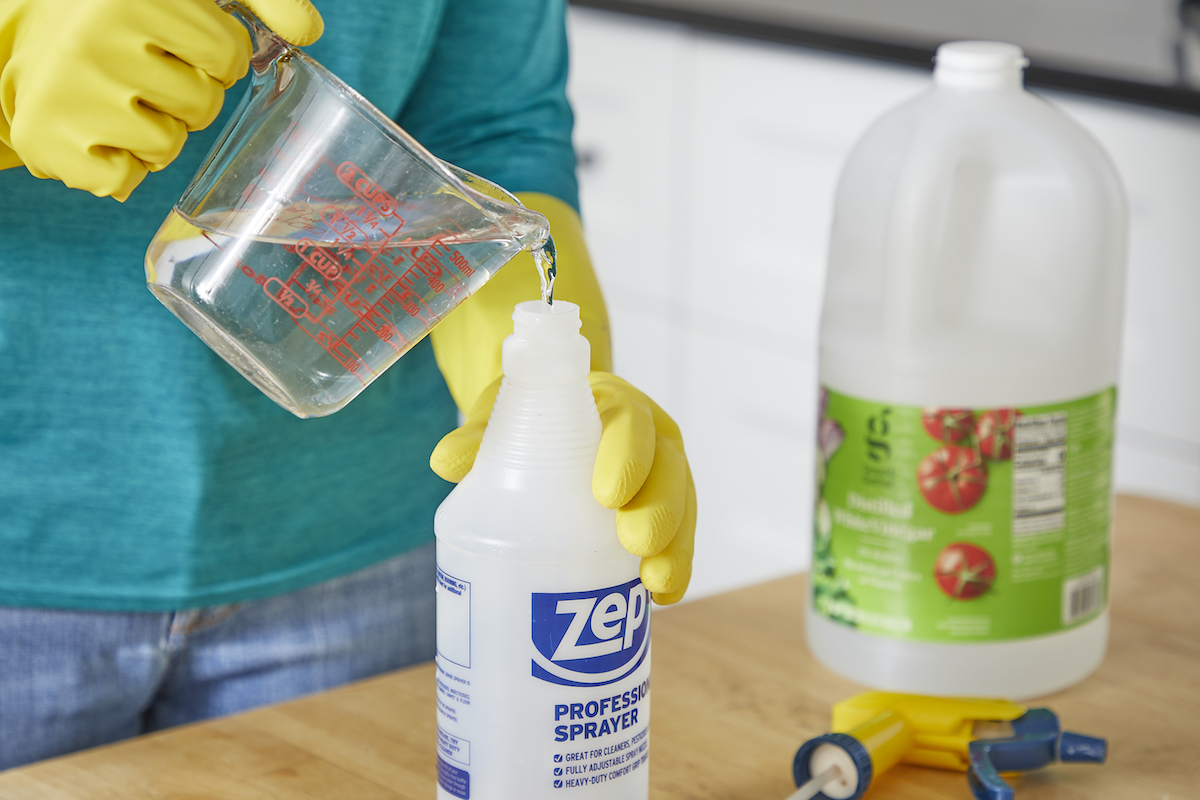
x=1170, y=98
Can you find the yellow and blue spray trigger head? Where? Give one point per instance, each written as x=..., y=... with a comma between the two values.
x=841, y=765
x=1036, y=742
x=942, y=726
x=840, y=750
x=874, y=731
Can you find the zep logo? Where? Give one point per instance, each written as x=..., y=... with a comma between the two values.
x=590, y=638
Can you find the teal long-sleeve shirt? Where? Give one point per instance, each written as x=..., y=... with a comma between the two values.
x=138, y=471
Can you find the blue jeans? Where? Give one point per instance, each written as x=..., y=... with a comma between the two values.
x=73, y=679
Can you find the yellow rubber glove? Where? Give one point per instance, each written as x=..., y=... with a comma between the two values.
x=641, y=469
x=8, y=158
x=97, y=93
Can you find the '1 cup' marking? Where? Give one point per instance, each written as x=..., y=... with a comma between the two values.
x=318, y=259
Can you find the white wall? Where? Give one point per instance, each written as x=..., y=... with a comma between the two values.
x=708, y=174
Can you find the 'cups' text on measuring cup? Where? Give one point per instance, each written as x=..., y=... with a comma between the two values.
x=319, y=241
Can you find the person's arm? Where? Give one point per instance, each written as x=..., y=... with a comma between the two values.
x=492, y=100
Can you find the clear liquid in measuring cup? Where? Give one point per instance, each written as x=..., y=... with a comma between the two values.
x=311, y=319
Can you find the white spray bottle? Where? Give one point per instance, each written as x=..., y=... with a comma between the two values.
x=543, y=626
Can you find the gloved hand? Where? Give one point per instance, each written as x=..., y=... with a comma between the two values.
x=7, y=157
x=641, y=469
x=96, y=93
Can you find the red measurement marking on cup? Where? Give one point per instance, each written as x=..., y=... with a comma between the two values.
x=356, y=274
x=367, y=190
x=348, y=292
x=343, y=229
x=288, y=300
x=318, y=258
x=318, y=304
x=431, y=260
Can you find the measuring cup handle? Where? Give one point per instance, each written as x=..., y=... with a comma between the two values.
x=266, y=45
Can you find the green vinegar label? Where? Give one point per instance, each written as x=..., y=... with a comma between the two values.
x=956, y=524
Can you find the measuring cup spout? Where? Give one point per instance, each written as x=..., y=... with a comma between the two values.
x=526, y=227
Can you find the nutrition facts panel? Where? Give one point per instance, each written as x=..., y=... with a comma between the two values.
x=1039, y=468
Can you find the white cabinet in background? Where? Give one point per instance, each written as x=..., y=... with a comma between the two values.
x=708, y=168
x=1158, y=430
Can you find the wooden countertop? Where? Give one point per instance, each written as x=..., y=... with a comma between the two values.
x=735, y=693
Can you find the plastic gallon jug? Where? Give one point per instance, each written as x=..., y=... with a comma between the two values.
x=969, y=351
x=543, y=626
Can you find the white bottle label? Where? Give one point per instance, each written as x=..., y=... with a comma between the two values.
x=543, y=679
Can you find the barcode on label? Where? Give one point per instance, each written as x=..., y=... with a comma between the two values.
x=1082, y=595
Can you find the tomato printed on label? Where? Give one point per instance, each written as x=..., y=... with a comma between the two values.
x=976, y=525
x=952, y=478
x=949, y=425
x=964, y=571
x=994, y=432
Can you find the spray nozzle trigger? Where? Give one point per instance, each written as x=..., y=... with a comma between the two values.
x=1036, y=742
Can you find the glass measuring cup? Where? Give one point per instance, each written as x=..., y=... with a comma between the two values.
x=319, y=242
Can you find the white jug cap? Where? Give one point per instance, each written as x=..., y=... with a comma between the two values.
x=979, y=65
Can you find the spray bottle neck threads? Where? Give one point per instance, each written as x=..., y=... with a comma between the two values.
x=979, y=65
x=545, y=415
x=545, y=348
